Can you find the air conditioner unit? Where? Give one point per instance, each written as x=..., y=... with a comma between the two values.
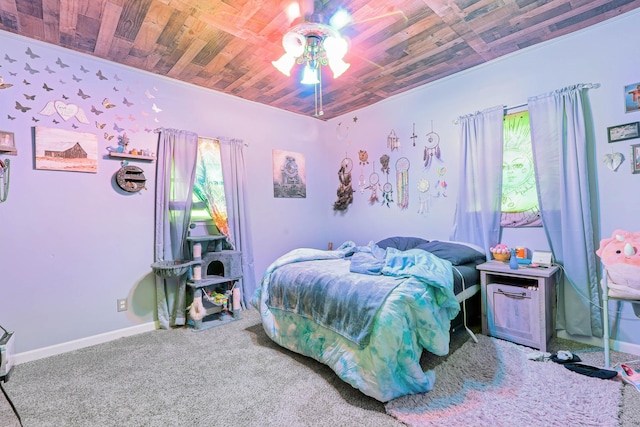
x=6, y=354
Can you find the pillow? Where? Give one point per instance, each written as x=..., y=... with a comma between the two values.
x=401, y=243
x=456, y=253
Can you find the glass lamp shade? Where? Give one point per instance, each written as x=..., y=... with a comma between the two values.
x=285, y=64
x=335, y=47
x=338, y=66
x=310, y=76
x=294, y=44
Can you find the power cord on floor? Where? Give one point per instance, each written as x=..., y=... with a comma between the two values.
x=15, y=411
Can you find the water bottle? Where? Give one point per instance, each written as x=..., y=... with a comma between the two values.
x=513, y=261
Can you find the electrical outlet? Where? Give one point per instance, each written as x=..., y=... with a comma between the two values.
x=122, y=305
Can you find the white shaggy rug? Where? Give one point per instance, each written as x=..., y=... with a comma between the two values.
x=492, y=383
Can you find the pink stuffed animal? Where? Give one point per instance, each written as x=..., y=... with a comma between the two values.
x=620, y=254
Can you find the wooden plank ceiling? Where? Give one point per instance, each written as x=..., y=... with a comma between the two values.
x=228, y=45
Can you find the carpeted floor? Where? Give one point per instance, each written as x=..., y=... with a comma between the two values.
x=230, y=375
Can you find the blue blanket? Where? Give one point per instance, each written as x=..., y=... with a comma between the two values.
x=319, y=285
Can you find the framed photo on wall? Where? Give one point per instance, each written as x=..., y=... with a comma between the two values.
x=632, y=98
x=635, y=158
x=623, y=132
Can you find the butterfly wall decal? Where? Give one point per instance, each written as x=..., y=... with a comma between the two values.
x=100, y=76
x=83, y=95
x=8, y=58
x=31, y=54
x=100, y=125
x=21, y=107
x=155, y=108
x=115, y=89
x=95, y=111
x=29, y=97
x=149, y=94
x=84, y=70
x=119, y=118
x=115, y=76
x=13, y=74
x=10, y=117
x=49, y=70
x=74, y=126
x=132, y=118
x=77, y=79
x=28, y=68
x=4, y=85
x=47, y=88
x=127, y=103
x=26, y=82
x=61, y=64
x=63, y=82
x=65, y=96
x=117, y=128
x=107, y=104
x=108, y=137
x=33, y=119
x=55, y=121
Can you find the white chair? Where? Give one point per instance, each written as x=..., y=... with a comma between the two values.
x=605, y=312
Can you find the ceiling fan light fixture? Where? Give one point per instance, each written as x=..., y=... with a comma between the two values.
x=310, y=76
x=285, y=64
x=294, y=43
x=338, y=66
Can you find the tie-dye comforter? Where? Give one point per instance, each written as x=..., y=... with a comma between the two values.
x=414, y=316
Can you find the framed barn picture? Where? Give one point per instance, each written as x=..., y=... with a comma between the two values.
x=65, y=150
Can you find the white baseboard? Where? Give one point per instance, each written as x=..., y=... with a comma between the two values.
x=53, y=350
x=621, y=346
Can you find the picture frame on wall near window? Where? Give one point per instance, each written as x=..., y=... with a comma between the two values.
x=632, y=97
x=623, y=132
x=635, y=158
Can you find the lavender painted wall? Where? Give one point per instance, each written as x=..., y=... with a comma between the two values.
x=604, y=54
x=72, y=244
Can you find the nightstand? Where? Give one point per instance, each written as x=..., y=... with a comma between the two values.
x=518, y=305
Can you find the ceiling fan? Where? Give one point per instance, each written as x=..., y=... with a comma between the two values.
x=314, y=41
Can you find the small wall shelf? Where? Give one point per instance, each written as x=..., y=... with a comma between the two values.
x=131, y=156
x=8, y=150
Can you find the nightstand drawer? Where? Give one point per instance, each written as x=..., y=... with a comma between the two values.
x=513, y=313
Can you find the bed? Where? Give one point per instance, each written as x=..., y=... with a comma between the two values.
x=368, y=312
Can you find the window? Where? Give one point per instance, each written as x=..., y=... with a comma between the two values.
x=520, y=207
x=209, y=202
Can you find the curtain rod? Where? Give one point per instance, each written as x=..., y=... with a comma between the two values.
x=504, y=107
x=217, y=138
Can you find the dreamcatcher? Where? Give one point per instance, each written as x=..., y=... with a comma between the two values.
x=423, y=196
x=374, y=184
x=387, y=193
x=402, y=182
x=387, y=189
x=432, y=147
x=363, y=157
x=345, y=191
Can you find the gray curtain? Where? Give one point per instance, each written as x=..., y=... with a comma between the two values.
x=234, y=174
x=561, y=140
x=177, y=153
x=477, y=216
